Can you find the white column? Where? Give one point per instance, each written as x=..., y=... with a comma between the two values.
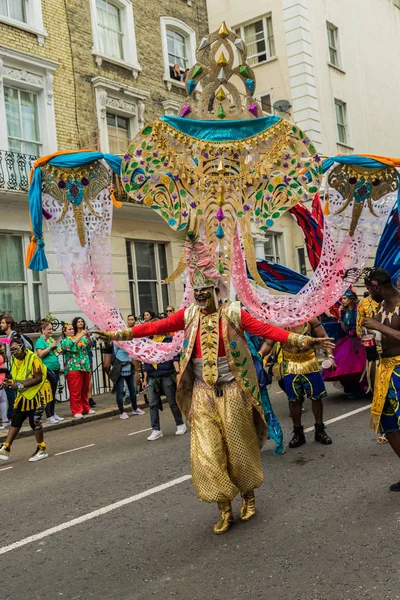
x=305, y=105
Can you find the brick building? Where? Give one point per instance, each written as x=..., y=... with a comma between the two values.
x=88, y=74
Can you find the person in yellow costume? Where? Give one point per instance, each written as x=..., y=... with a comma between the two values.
x=29, y=380
x=218, y=390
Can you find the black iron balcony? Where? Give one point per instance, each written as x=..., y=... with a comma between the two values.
x=14, y=170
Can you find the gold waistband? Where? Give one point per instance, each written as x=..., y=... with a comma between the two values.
x=300, y=364
x=299, y=357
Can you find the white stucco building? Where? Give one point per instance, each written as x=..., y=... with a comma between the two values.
x=335, y=62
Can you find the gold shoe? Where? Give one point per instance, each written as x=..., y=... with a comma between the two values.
x=248, y=508
x=225, y=518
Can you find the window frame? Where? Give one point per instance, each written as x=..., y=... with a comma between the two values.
x=330, y=27
x=33, y=23
x=344, y=125
x=298, y=250
x=133, y=282
x=130, y=60
x=29, y=282
x=269, y=55
x=117, y=116
x=277, y=237
x=38, y=124
x=32, y=75
x=170, y=23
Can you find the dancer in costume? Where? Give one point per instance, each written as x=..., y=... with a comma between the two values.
x=385, y=410
x=218, y=392
x=29, y=380
x=301, y=374
x=349, y=353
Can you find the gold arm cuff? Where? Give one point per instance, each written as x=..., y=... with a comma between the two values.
x=304, y=342
x=120, y=335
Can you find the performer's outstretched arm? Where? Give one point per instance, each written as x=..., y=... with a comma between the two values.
x=256, y=327
x=175, y=322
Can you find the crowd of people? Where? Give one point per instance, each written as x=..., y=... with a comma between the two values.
x=298, y=372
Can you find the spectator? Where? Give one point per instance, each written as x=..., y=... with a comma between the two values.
x=79, y=325
x=175, y=72
x=170, y=310
x=161, y=379
x=184, y=76
x=33, y=391
x=118, y=366
x=148, y=316
x=3, y=396
x=77, y=369
x=48, y=350
x=131, y=320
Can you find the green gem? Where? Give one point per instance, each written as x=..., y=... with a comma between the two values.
x=220, y=268
x=197, y=71
x=221, y=113
x=147, y=130
x=244, y=71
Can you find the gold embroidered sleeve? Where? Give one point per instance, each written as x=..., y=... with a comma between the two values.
x=304, y=342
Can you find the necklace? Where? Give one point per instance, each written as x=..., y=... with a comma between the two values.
x=388, y=315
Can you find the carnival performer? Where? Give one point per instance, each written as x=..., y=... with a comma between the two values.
x=385, y=410
x=218, y=392
x=29, y=380
x=349, y=353
x=48, y=351
x=301, y=374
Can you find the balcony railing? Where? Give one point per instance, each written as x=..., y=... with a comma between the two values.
x=14, y=170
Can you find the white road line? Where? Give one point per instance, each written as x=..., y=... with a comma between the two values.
x=279, y=392
x=93, y=515
x=74, y=449
x=344, y=416
x=6, y=468
x=141, y=431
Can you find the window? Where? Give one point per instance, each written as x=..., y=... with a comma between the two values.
x=113, y=29
x=20, y=290
x=341, y=121
x=14, y=9
x=110, y=32
x=333, y=43
x=259, y=38
x=147, y=268
x=118, y=133
x=22, y=121
x=177, y=54
x=266, y=104
x=179, y=48
x=301, y=260
x=272, y=247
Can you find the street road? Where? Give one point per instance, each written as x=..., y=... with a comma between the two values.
x=125, y=523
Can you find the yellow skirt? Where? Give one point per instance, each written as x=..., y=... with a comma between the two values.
x=43, y=397
x=225, y=451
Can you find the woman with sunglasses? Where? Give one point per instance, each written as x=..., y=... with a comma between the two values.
x=29, y=381
x=48, y=351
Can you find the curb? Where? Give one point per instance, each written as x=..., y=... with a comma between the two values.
x=111, y=412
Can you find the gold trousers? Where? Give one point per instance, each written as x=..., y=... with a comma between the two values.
x=225, y=452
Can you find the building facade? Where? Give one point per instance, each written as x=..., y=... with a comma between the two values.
x=88, y=74
x=329, y=67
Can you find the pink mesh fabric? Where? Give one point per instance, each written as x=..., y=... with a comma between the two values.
x=88, y=272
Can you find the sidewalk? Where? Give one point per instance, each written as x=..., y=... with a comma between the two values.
x=106, y=406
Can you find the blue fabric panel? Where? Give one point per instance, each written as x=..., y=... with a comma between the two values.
x=221, y=131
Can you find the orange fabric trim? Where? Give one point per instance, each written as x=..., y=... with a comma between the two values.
x=386, y=160
x=42, y=160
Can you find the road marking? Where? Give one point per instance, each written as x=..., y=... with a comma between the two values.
x=74, y=449
x=141, y=431
x=279, y=392
x=94, y=514
x=349, y=414
x=6, y=468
